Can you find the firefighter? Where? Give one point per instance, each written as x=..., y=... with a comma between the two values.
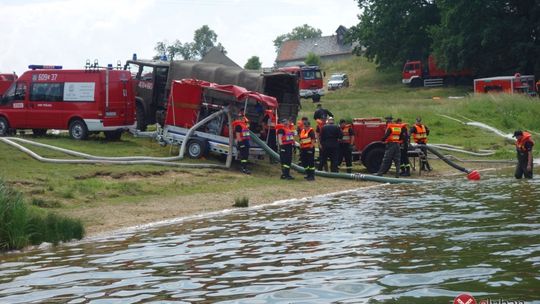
x=405, y=165
x=307, y=150
x=286, y=142
x=346, y=144
x=329, y=145
x=321, y=113
x=420, y=134
x=300, y=124
x=269, y=123
x=524, y=146
x=241, y=134
x=393, y=138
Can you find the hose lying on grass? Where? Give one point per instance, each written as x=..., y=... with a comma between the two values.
x=91, y=159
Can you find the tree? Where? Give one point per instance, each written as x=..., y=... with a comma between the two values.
x=391, y=31
x=494, y=37
x=203, y=40
x=298, y=33
x=253, y=63
x=313, y=59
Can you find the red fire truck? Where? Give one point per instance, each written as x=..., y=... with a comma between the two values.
x=418, y=74
x=310, y=80
x=522, y=84
x=5, y=81
x=81, y=101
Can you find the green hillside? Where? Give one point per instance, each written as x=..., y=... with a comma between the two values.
x=375, y=93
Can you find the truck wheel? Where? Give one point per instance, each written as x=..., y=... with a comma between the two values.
x=39, y=132
x=316, y=98
x=417, y=82
x=113, y=135
x=197, y=148
x=373, y=159
x=78, y=130
x=141, y=118
x=4, y=127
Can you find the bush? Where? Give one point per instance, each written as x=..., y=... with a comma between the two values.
x=22, y=224
x=313, y=59
x=241, y=202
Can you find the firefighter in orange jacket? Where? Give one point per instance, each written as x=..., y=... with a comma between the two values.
x=286, y=142
x=405, y=165
x=393, y=138
x=419, y=133
x=346, y=144
x=524, y=146
x=241, y=134
x=307, y=150
x=269, y=123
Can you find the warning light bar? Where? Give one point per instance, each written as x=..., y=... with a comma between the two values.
x=44, y=67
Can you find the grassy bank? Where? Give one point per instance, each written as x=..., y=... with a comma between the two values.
x=22, y=224
x=132, y=191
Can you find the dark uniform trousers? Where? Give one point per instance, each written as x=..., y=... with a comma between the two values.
x=345, y=151
x=307, y=157
x=243, y=150
x=285, y=157
x=521, y=167
x=331, y=152
x=424, y=165
x=391, y=153
x=404, y=159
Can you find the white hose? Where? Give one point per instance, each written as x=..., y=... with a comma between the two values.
x=454, y=149
x=195, y=127
x=105, y=161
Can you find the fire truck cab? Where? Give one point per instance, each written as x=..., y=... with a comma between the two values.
x=310, y=80
x=5, y=81
x=81, y=101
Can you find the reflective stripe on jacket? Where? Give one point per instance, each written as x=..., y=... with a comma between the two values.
x=395, y=133
x=306, y=142
x=244, y=134
x=287, y=137
x=420, y=134
x=347, y=138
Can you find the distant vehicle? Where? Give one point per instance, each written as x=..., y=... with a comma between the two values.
x=81, y=101
x=5, y=81
x=310, y=80
x=418, y=74
x=153, y=79
x=522, y=84
x=338, y=81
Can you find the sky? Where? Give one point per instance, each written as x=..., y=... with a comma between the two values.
x=68, y=32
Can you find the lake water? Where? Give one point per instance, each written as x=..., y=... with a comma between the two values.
x=388, y=244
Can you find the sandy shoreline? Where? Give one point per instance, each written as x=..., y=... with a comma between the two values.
x=104, y=219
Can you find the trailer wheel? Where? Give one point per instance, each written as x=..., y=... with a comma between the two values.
x=78, y=130
x=113, y=135
x=4, y=127
x=39, y=132
x=141, y=118
x=373, y=159
x=197, y=148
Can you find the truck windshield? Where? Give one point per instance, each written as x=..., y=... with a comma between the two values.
x=311, y=74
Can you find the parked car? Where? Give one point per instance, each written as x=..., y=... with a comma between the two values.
x=338, y=81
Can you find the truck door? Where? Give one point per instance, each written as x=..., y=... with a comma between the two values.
x=45, y=104
x=15, y=105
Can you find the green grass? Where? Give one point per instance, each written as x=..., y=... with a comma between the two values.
x=23, y=224
x=241, y=202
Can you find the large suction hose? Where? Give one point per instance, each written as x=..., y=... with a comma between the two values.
x=471, y=174
x=355, y=176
